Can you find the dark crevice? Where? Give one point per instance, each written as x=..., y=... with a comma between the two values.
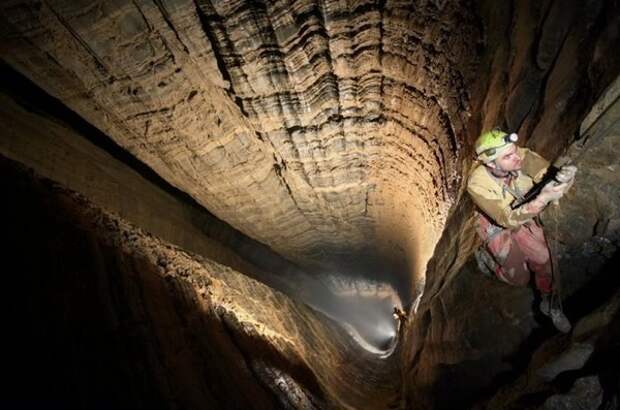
x=35, y=100
x=171, y=26
x=597, y=291
x=101, y=66
x=206, y=21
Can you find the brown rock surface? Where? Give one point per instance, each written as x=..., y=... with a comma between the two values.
x=580, y=361
x=126, y=320
x=341, y=122
x=60, y=146
x=54, y=143
x=336, y=133
x=474, y=332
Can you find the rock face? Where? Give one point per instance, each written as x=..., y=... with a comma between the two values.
x=56, y=144
x=338, y=134
x=121, y=319
x=586, y=226
x=58, y=149
x=341, y=122
x=546, y=65
x=580, y=362
x=475, y=332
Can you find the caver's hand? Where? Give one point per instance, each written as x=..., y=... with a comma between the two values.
x=566, y=174
x=552, y=192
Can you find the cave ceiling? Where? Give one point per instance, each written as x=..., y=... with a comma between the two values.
x=313, y=127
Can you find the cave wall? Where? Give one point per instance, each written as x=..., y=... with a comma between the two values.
x=40, y=133
x=545, y=65
x=104, y=315
x=472, y=334
x=586, y=226
x=53, y=149
x=341, y=121
x=351, y=125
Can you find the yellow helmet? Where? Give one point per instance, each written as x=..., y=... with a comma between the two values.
x=492, y=143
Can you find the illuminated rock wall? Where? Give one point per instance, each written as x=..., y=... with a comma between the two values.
x=313, y=127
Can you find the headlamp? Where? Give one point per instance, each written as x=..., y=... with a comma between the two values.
x=507, y=139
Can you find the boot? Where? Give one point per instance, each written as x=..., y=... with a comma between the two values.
x=558, y=318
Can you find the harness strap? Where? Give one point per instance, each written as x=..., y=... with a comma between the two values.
x=493, y=235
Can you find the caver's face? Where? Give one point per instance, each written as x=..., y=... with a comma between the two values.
x=508, y=161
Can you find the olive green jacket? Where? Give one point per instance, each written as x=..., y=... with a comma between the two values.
x=493, y=196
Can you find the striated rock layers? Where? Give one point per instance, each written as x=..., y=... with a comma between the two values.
x=321, y=129
x=329, y=131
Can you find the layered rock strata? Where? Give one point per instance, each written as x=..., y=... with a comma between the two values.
x=44, y=136
x=53, y=142
x=330, y=131
x=341, y=122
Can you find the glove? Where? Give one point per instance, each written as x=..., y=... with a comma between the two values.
x=566, y=173
x=552, y=192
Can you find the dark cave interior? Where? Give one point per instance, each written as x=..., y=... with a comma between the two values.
x=217, y=204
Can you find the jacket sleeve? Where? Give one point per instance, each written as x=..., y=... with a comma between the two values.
x=497, y=208
x=533, y=165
